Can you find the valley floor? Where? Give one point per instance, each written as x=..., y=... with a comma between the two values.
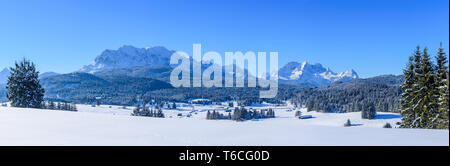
x=113, y=125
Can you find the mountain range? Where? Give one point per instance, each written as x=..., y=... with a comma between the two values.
x=312, y=74
x=153, y=62
x=119, y=75
x=128, y=56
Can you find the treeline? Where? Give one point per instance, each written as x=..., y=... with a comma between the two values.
x=245, y=95
x=377, y=94
x=148, y=112
x=51, y=105
x=241, y=114
x=217, y=116
x=86, y=88
x=425, y=91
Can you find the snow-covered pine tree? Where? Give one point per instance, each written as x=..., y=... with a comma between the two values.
x=428, y=93
x=407, y=95
x=208, y=115
x=51, y=105
x=415, y=123
x=136, y=111
x=368, y=111
x=160, y=113
x=442, y=82
x=23, y=86
x=348, y=123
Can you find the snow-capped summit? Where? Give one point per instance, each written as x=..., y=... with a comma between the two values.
x=4, y=74
x=313, y=74
x=127, y=56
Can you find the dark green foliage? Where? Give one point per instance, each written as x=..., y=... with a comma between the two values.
x=84, y=88
x=426, y=99
x=145, y=111
x=242, y=114
x=383, y=91
x=215, y=116
x=154, y=72
x=387, y=125
x=368, y=111
x=424, y=92
x=120, y=89
x=408, y=92
x=65, y=106
x=245, y=96
x=174, y=106
x=24, y=88
x=443, y=87
x=348, y=123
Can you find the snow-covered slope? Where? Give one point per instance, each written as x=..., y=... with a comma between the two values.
x=113, y=126
x=127, y=56
x=313, y=74
x=4, y=74
x=47, y=74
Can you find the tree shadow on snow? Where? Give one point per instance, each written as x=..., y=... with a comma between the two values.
x=388, y=116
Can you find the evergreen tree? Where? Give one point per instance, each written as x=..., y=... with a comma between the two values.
x=51, y=105
x=74, y=108
x=174, y=106
x=368, y=111
x=428, y=92
x=442, y=83
x=24, y=88
x=348, y=123
x=407, y=95
x=160, y=114
x=136, y=111
x=387, y=125
x=423, y=103
x=208, y=115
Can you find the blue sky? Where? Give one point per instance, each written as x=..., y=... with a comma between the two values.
x=373, y=37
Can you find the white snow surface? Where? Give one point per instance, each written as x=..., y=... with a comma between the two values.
x=113, y=125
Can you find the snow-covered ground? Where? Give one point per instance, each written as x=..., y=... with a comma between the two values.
x=113, y=125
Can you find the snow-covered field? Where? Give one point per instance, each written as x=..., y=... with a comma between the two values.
x=113, y=125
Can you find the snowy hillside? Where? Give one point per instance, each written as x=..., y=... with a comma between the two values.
x=127, y=56
x=47, y=74
x=313, y=74
x=113, y=125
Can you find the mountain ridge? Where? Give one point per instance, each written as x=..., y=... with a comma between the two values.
x=138, y=61
x=314, y=74
x=127, y=56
